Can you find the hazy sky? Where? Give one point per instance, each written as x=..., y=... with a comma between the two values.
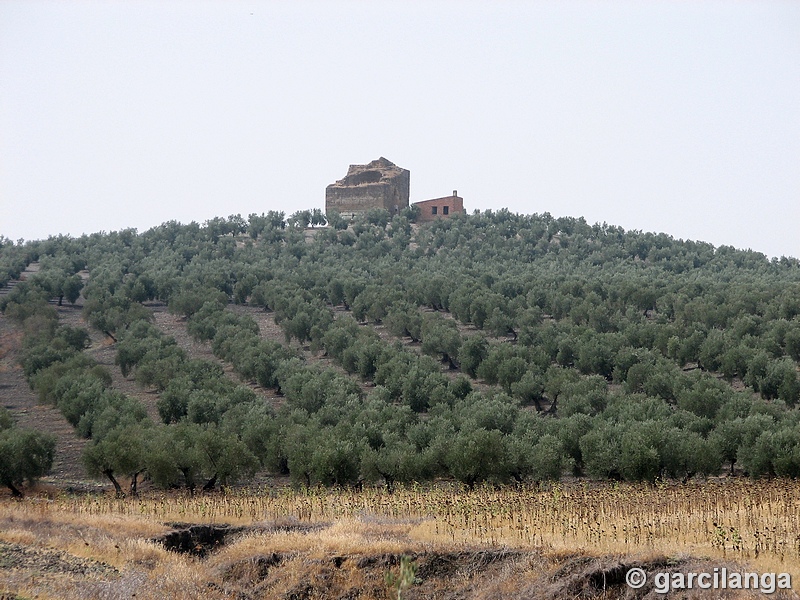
x=682, y=117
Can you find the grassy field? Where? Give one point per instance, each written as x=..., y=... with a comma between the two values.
x=436, y=542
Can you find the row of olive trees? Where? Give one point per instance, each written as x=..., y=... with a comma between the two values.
x=521, y=369
x=697, y=452
x=765, y=362
x=123, y=440
x=649, y=307
x=300, y=322
x=586, y=305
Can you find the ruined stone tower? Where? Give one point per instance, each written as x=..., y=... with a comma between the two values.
x=379, y=184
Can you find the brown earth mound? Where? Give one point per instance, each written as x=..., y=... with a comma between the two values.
x=480, y=575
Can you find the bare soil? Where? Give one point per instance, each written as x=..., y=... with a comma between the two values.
x=43, y=560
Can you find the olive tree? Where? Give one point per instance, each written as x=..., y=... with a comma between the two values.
x=25, y=454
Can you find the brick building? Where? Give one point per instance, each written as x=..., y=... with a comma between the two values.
x=438, y=208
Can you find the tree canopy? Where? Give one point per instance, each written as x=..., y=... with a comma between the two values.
x=486, y=347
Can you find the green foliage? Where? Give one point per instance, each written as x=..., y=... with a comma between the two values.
x=404, y=579
x=6, y=421
x=25, y=455
x=587, y=395
x=440, y=339
x=601, y=449
x=611, y=353
x=547, y=459
x=477, y=455
x=638, y=460
x=122, y=450
x=188, y=453
x=706, y=397
x=687, y=453
x=188, y=302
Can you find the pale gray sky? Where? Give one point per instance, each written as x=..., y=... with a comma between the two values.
x=682, y=117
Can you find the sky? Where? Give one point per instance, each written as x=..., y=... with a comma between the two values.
x=677, y=117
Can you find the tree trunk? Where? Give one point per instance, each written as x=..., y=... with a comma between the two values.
x=117, y=488
x=210, y=484
x=187, y=476
x=15, y=491
x=452, y=365
x=135, y=484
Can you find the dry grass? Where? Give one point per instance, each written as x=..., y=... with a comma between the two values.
x=526, y=532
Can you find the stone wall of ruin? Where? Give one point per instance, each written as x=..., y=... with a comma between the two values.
x=379, y=184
